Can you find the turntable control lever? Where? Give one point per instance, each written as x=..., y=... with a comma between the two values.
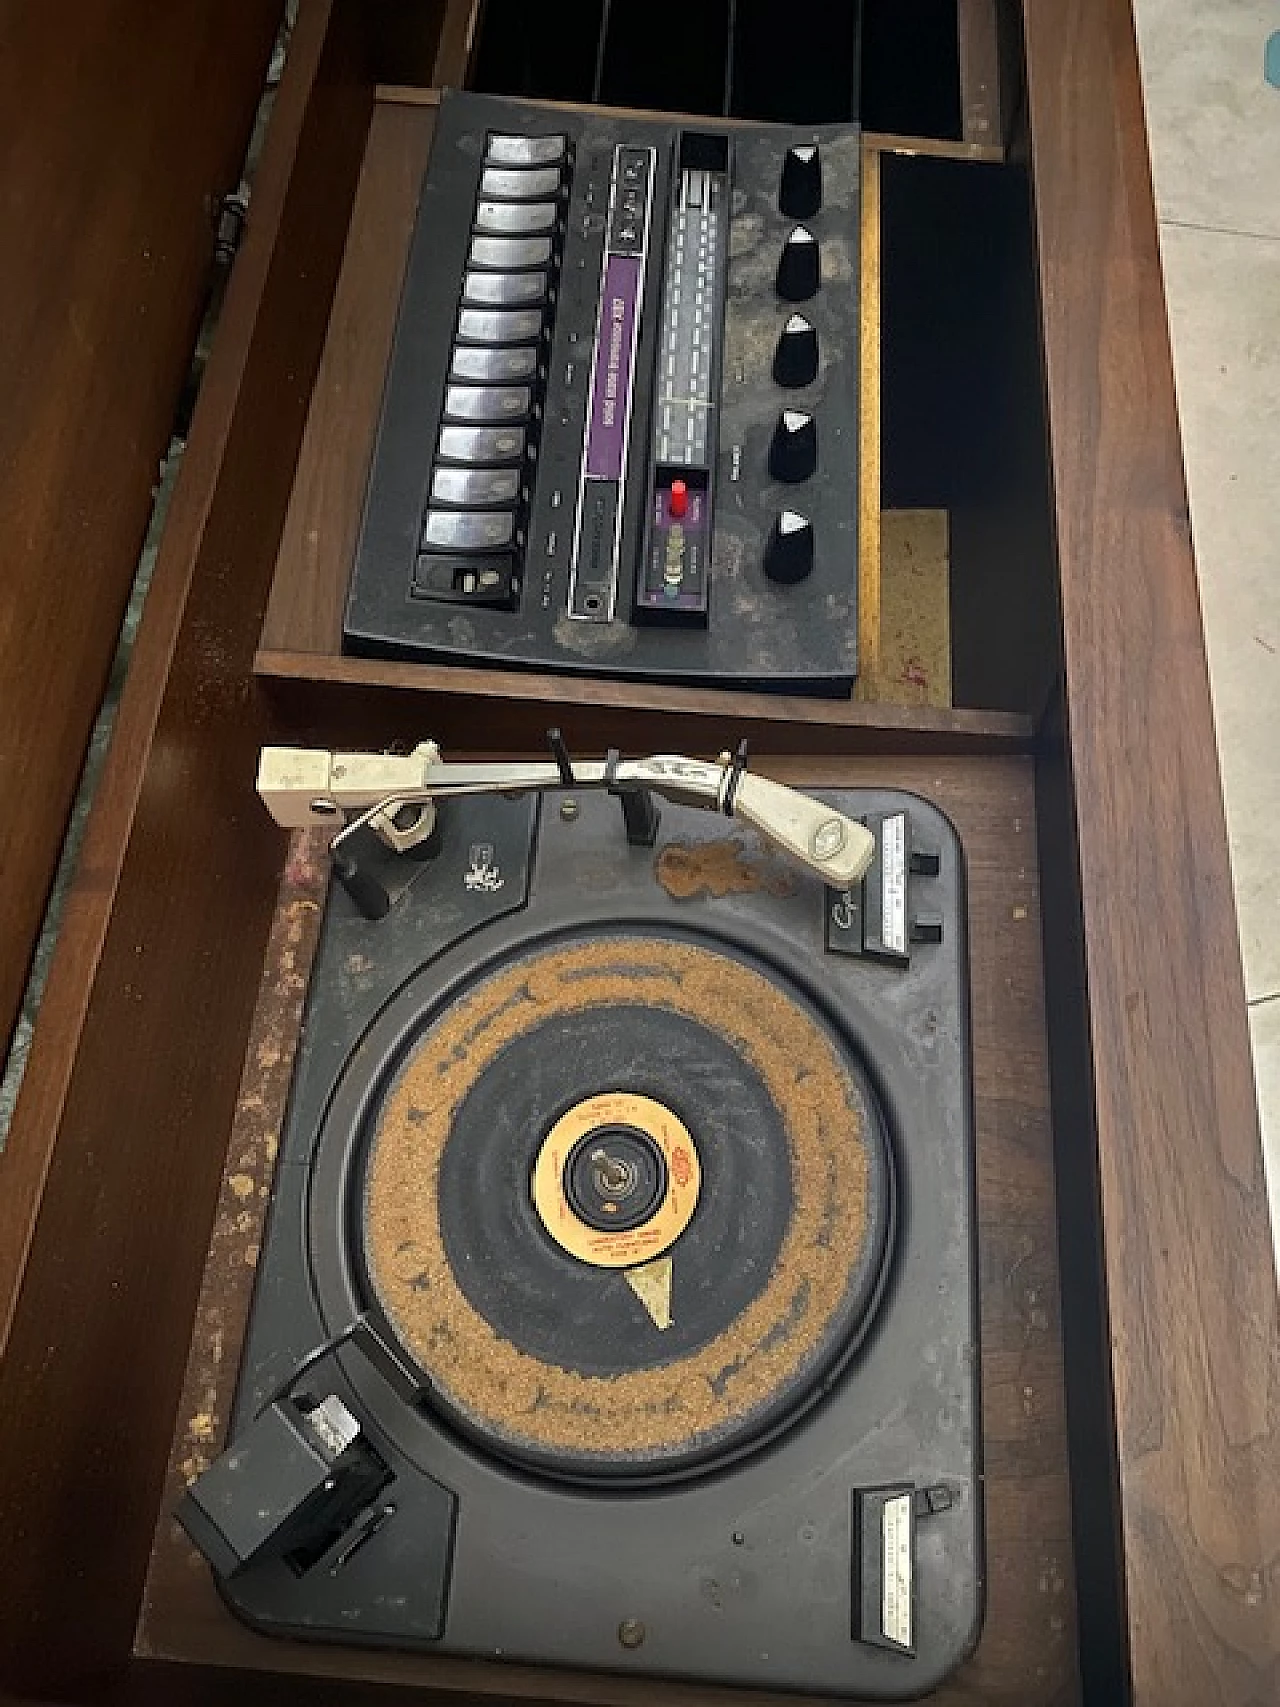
x=306, y=787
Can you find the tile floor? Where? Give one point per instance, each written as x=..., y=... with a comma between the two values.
x=1214, y=122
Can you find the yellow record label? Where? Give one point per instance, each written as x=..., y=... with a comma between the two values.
x=603, y=1248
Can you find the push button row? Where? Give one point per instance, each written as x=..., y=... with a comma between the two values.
x=517, y=219
x=506, y=290
x=471, y=530
x=526, y=150
x=481, y=364
x=499, y=325
x=488, y=402
x=508, y=254
x=468, y=530
x=475, y=486
x=482, y=445
x=520, y=185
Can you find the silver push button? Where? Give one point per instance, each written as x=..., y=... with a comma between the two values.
x=487, y=402
x=468, y=530
x=526, y=150
x=510, y=254
x=481, y=444
x=515, y=219
x=498, y=325
x=476, y=362
x=520, y=186
x=504, y=290
x=475, y=486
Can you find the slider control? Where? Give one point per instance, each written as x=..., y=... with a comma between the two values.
x=798, y=266
x=788, y=556
x=793, y=454
x=795, y=361
x=800, y=191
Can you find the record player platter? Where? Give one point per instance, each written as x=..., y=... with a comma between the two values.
x=617, y=1305
x=595, y=1106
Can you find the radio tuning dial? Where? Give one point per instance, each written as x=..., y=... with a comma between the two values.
x=800, y=191
x=798, y=266
x=788, y=555
x=795, y=361
x=793, y=454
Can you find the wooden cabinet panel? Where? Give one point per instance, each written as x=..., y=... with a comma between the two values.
x=122, y=125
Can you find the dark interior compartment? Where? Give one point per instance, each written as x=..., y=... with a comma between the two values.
x=665, y=55
x=963, y=412
x=796, y=66
x=911, y=67
x=750, y=59
x=894, y=64
x=549, y=56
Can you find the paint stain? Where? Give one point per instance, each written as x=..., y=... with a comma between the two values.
x=1271, y=61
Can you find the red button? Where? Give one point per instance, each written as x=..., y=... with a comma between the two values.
x=679, y=498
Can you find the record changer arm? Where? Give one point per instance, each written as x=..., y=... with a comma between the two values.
x=305, y=787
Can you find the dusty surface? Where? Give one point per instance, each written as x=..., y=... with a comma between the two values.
x=251, y=1155
x=743, y=1367
x=689, y=869
x=914, y=665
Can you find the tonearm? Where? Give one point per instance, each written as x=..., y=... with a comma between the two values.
x=395, y=796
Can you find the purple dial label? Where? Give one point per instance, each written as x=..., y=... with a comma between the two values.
x=611, y=375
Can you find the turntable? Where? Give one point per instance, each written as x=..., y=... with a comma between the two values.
x=617, y=1305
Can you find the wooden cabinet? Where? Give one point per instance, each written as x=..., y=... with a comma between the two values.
x=1129, y=1297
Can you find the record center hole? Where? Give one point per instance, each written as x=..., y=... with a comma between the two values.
x=614, y=1176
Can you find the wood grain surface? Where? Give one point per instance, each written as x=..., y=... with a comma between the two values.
x=1026, y=1654
x=1189, y=1277
x=114, y=152
x=111, y=1170
x=456, y=39
x=508, y=708
x=317, y=548
x=868, y=685
x=985, y=71
x=113, y=1164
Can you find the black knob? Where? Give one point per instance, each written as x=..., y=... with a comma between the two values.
x=798, y=266
x=793, y=455
x=795, y=361
x=800, y=192
x=788, y=556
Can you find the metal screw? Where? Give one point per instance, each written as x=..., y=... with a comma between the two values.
x=631, y=1632
x=568, y=810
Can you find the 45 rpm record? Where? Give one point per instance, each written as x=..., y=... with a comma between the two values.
x=594, y=1104
x=616, y=1180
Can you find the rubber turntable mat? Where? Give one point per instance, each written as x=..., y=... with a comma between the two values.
x=557, y=1362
